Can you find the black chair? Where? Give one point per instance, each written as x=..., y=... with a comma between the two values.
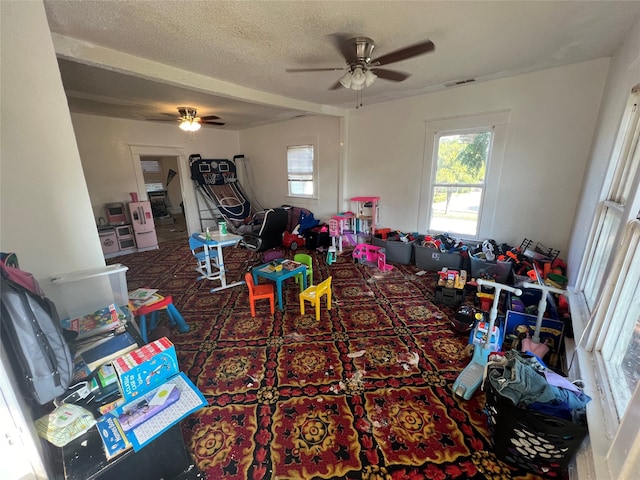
x=269, y=232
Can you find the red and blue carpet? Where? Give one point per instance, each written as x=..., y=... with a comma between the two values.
x=363, y=394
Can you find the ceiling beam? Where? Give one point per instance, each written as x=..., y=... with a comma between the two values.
x=90, y=54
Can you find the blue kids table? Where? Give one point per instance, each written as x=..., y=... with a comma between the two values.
x=289, y=269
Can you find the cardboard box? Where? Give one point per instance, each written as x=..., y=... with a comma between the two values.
x=146, y=368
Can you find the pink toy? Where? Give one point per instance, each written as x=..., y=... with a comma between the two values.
x=371, y=255
x=340, y=230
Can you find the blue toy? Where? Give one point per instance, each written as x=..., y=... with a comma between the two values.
x=487, y=338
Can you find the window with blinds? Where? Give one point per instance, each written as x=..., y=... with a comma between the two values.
x=301, y=172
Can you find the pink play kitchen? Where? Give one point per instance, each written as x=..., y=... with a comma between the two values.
x=127, y=228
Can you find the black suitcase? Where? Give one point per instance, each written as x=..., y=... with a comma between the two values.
x=39, y=355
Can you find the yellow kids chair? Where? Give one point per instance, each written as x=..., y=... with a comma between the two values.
x=314, y=293
x=304, y=259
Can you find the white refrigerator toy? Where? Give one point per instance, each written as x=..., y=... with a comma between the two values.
x=143, y=227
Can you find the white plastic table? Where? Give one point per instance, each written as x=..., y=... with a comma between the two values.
x=217, y=271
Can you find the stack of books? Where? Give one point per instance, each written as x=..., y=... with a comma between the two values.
x=155, y=396
x=143, y=296
x=103, y=321
x=97, y=339
x=107, y=349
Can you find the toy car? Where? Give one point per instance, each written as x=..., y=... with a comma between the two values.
x=292, y=240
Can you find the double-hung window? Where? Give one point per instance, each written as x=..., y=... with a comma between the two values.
x=609, y=281
x=463, y=158
x=301, y=170
x=460, y=169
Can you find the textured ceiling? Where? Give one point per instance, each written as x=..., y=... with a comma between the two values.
x=141, y=59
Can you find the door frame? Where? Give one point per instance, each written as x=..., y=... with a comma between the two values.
x=186, y=186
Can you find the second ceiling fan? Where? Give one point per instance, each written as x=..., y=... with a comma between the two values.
x=189, y=121
x=362, y=70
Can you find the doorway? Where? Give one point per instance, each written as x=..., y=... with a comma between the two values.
x=162, y=184
x=163, y=178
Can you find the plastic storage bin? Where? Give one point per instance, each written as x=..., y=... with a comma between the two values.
x=538, y=443
x=433, y=259
x=86, y=291
x=497, y=271
x=397, y=251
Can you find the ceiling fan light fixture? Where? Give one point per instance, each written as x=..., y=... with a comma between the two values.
x=357, y=78
x=369, y=78
x=189, y=121
x=345, y=81
x=190, y=125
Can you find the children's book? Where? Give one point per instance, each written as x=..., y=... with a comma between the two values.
x=109, y=350
x=146, y=407
x=80, y=370
x=104, y=320
x=142, y=293
x=143, y=296
x=113, y=438
x=290, y=264
x=146, y=368
x=190, y=399
x=107, y=375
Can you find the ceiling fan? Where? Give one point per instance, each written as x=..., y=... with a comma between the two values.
x=361, y=69
x=190, y=122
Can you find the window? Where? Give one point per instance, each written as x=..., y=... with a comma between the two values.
x=152, y=173
x=460, y=168
x=301, y=172
x=615, y=256
x=612, y=209
x=608, y=282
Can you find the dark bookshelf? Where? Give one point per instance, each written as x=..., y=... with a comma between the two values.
x=166, y=457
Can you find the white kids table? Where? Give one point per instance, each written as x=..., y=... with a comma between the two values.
x=217, y=271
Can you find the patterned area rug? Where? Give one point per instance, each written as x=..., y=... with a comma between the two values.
x=365, y=393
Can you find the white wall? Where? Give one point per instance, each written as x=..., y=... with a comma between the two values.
x=623, y=75
x=265, y=149
x=104, y=145
x=552, y=118
x=45, y=213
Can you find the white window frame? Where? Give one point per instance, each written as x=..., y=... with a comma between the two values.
x=601, y=303
x=434, y=174
x=498, y=121
x=611, y=211
x=306, y=141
